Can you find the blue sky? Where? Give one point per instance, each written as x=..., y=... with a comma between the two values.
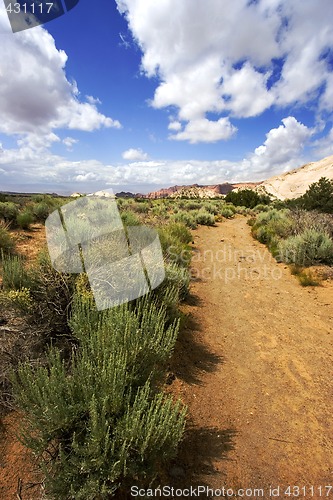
x=138, y=95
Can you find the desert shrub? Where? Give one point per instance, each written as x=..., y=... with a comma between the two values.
x=37, y=198
x=212, y=208
x=6, y=242
x=307, y=279
x=271, y=224
x=192, y=205
x=319, y=196
x=302, y=220
x=226, y=212
x=263, y=234
x=139, y=329
x=52, y=293
x=129, y=218
x=231, y=207
x=179, y=232
x=247, y=198
x=186, y=219
x=141, y=207
x=101, y=421
x=14, y=274
x=174, y=240
x=24, y=219
x=242, y=210
x=159, y=210
x=41, y=211
x=205, y=218
x=261, y=208
x=307, y=248
x=8, y=211
x=178, y=278
x=21, y=299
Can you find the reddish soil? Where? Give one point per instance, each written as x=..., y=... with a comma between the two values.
x=18, y=471
x=255, y=367
x=29, y=243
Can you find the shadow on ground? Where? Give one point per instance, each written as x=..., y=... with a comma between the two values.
x=191, y=356
x=199, y=451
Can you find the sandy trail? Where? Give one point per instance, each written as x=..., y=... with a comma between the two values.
x=255, y=367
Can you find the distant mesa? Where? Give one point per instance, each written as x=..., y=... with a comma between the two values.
x=128, y=194
x=199, y=191
x=288, y=185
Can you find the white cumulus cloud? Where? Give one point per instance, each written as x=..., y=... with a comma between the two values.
x=36, y=96
x=282, y=148
x=134, y=155
x=234, y=59
x=205, y=130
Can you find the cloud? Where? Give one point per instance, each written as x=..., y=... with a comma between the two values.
x=175, y=125
x=69, y=142
x=245, y=92
x=134, y=155
x=281, y=150
x=89, y=176
x=36, y=97
x=282, y=147
x=203, y=130
x=234, y=59
x=93, y=100
x=324, y=146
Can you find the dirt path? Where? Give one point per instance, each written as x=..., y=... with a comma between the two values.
x=255, y=367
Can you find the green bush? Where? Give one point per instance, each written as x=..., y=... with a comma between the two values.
x=14, y=274
x=100, y=420
x=129, y=218
x=21, y=299
x=179, y=232
x=205, y=218
x=6, y=242
x=247, y=198
x=52, y=294
x=272, y=224
x=319, y=196
x=174, y=240
x=178, y=278
x=191, y=205
x=226, y=212
x=188, y=219
x=261, y=208
x=24, y=219
x=212, y=208
x=8, y=211
x=303, y=219
x=307, y=248
x=141, y=207
x=41, y=211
